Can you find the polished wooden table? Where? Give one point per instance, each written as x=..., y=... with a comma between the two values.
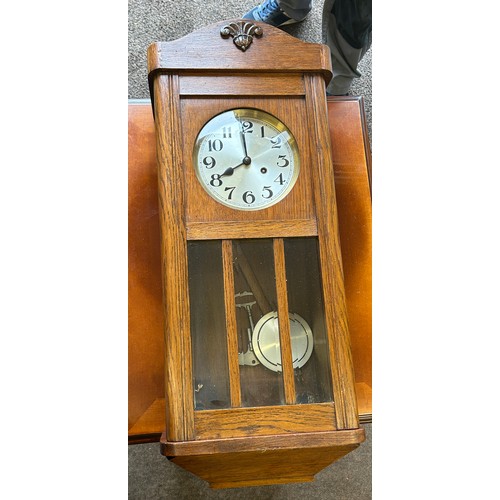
x=352, y=164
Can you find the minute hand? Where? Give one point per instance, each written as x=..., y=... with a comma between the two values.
x=243, y=140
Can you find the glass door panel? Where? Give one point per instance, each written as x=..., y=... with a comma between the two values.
x=208, y=325
x=259, y=355
x=309, y=339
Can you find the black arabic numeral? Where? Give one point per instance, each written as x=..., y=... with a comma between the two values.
x=247, y=127
x=280, y=179
x=209, y=161
x=215, y=145
x=268, y=189
x=286, y=162
x=248, y=197
x=230, y=189
x=215, y=180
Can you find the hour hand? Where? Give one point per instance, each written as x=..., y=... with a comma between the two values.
x=230, y=170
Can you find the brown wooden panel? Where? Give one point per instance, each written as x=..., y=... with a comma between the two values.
x=350, y=152
x=201, y=208
x=145, y=321
x=286, y=419
x=239, y=469
x=283, y=441
x=289, y=54
x=147, y=424
x=351, y=161
x=239, y=85
x=239, y=229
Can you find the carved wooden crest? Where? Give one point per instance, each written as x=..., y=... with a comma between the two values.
x=242, y=33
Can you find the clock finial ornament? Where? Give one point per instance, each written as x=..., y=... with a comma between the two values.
x=242, y=33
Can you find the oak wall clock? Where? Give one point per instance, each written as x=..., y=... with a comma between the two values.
x=258, y=370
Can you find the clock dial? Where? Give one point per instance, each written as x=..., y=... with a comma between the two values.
x=246, y=159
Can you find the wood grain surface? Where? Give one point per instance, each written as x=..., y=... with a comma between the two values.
x=331, y=261
x=241, y=85
x=178, y=361
x=283, y=321
x=351, y=160
x=240, y=422
x=261, y=460
x=352, y=164
x=231, y=326
x=258, y=468
x=265, y=229
x=205, y=52
x=284, y=441
x=145, y=318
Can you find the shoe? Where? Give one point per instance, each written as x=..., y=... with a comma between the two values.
x=269, y=12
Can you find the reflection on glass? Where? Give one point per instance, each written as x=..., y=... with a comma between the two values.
x=208, y=325
x=255, y=301
x=305, y=300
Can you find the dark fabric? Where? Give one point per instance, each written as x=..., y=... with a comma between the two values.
x=354, y=21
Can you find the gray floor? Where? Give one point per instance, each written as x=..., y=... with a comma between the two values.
x=151, y=476
x=164, y=20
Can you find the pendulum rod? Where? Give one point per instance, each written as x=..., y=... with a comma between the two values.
x=247, y=271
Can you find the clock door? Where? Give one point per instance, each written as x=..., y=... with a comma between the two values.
x=245, y=353
x=258, y=332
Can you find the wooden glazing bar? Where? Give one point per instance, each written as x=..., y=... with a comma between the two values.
x=178, y=357
x=284, y=321
x=279, y=419
x=249, y=229
x=331, y=263
x=231, y=328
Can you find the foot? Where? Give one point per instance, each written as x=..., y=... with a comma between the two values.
x=269, y=12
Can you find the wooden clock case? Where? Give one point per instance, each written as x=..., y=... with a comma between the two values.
x=191, y=80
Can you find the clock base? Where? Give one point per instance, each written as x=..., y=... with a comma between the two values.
x=261, y=460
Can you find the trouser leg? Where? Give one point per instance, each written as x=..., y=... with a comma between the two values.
x=349, y=36
x=296, y=9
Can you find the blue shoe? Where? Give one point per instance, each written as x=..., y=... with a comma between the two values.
x=269, y=12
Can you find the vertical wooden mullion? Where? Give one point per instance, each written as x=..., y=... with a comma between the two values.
x=284, y=321
x=231, y=328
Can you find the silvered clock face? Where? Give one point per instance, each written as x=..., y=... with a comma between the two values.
x=246, y=159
